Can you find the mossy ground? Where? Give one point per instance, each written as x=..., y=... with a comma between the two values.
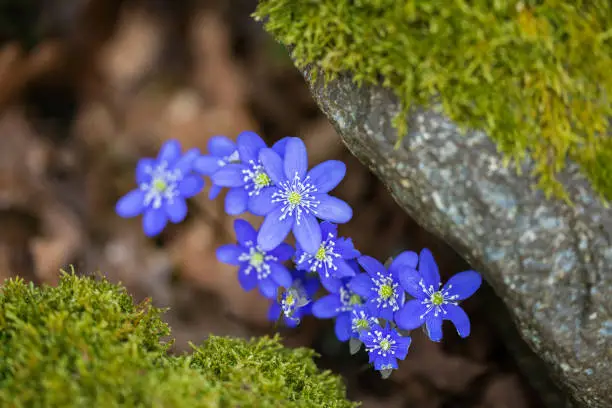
x=534, y=75
x=85, y=344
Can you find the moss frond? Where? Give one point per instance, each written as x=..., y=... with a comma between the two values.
x=534, y=75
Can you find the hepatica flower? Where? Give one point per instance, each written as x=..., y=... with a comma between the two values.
x=295, y=302
x=330, y=260
x=240, y=170
x=381, y=286
x=385, y=346
x=297, y=197
x=258, y=268
x=434, y=303
x=164, y=183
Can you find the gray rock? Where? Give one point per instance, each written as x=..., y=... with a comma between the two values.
x=548, y=261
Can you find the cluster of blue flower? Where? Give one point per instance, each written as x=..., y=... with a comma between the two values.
x=369, y=308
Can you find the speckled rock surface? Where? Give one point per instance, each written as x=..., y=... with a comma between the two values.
x=549, y=262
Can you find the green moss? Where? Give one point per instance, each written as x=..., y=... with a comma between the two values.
x=534, y=75
x=85, y=344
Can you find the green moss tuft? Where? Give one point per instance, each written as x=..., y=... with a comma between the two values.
x=534, y=75
x=85, y=344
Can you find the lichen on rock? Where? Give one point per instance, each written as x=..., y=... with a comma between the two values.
x=533, y=75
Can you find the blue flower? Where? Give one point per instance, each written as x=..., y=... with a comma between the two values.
x=298, y=198
x=361, y=321
x=163, y=185
x=380, y=286
x=330, y=260
x=237, y=166
x=296, y=302
x=432, y=305
x=338, y=304
x=385, y=346
x=257, y=267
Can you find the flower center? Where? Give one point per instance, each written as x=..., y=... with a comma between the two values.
x=385, y=345
x=355, y=299
x=163, y=185
x=437, y=298
x=160, y=185
x=257, y=259
x=385, y=291
x=323, y=261
x=262, y=180
x=321, y=253
x=361, y=324
x=255, y=178
x=289, y=300
x=295, y=196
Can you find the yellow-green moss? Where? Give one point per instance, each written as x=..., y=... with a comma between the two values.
x=534, y=75
x=85, y=344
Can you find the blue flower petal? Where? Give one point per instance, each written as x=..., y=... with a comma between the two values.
x=382, y=312
x=169, y=152
x=268, y=288
x=343, y=327
x=408, y=259
x=236, y=201
x=409, y=280
x=361, y=285
x=185, y=163
x=346, y=249
x=411, y=315
x=191, y=186
x=459, y=318
x=229, y=254
x=261, y=204
x=206, y=165
x=274, y=312
x=344, y=270
x=382, y=362
x=311, y=286
x=273, y=164
x=176, y=210
x=429, y=269
x=143, y=169
x=402, y=345
x=330, y=283
x=296, y=159
x=221, y=146
x=248, y=281
x=273, y=230
x=249, y=145
x=327, y=307
x=371, y=265
x=279, y=146
x=464, y=284
x=283, y=252
x=280, y=275
x=154, y=222
x=332, y=209
x=215, y=191
x=433, y=326
x=131, y=204
x=329, y=229
x=307, y=233
x=244, y=232
x=327, y=175
x=229, y=176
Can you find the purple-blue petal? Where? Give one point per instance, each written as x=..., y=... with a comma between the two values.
x=307, y=233
x=296, y=159
x=244, y=232
x=361, y=285
x=249, y=144
x=248, y=281
x=344, y=270
x=330, y=283
x=343, y=327
x=206, y=165
x=169, y=152
x=280, y=275
x=429, y=269
x=273, y=164
x=236, y=201
x=229, y=254
x=460, y=319
x=463, y=285
x=402, y=345
x=131, y=204
x=433, y=327
x=143, y=169
x=329, y=229
x=332, y=209
x=185, y=162
x=229, y=176
x=371, y=265
x=215, y=191
x=409, y=280
x=176, y=210
x=383, y=362
x=274, y=312
x=346, y=249
x=279, y=146
x=283, y=252
x=327, y=175
x=383, y=312
x=411, y=315
x=327, y=307
x=190, y=186
x=261, y=204
x=268, y=288
x=221, y=146
x=408, y=259
x=274, y=230
x=154, y=221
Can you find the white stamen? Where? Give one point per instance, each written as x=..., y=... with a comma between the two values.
x=298, y=189
x=161, y=175
x=429, y=292
x=261, y=268
x=327, y=263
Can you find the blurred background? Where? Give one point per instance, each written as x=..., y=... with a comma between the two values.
x=87, y=87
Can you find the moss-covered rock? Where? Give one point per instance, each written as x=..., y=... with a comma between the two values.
x=534, y=75
x=85, y=344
